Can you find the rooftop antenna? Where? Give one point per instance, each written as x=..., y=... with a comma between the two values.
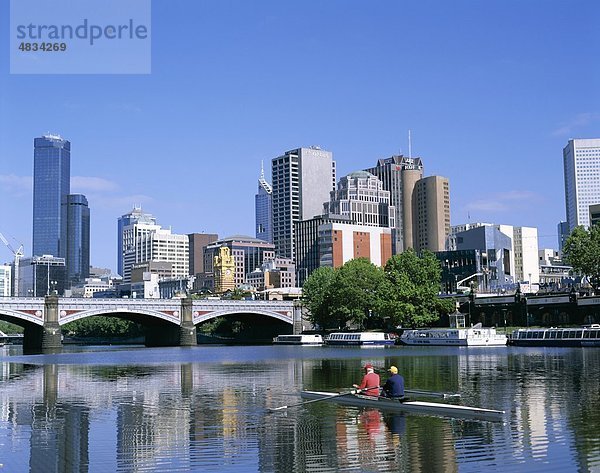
x=409, y=146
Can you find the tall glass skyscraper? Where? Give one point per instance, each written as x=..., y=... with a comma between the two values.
x=78, y=238
x=51, y=186
x=263, y=203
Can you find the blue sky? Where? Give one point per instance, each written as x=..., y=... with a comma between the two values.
x=491, y=90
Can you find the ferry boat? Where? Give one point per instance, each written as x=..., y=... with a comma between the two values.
x=586, y=336
x=308, y=340
x=476, y=336
x=360, y=339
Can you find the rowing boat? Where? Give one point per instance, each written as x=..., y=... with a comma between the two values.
x=436, y=408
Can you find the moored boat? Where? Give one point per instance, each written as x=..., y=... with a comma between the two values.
x=307, y=340
x=359, y=339
x=476, y=336
x=586, y=336
x=419, y=407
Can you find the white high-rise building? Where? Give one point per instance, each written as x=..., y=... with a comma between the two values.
x=302, y=180
x=6, y=280
x=581, y=159
x=130, y=227
x=162, y=245
x=525, y=252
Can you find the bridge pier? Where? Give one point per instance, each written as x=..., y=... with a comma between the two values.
x=297, y=319
x=48, y=337
x=51, y=335
x=187, y=330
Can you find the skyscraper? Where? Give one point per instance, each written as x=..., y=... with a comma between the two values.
x=51, y=186
x=357, y=223
x=263, y=204
x=563, y=233
x=129, y=228
x=78, y=238
x=399, y=175
x=431, y=213
x=163, y=246
x=581, y=160
x=361, y=197
x=302, y=180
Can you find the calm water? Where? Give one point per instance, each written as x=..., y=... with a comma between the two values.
x=206, y=409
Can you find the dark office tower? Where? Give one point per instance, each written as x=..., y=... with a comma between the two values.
x=51, y=186
x=78, y=238
x=263, y=207
x=399, y=174
x=563, y=234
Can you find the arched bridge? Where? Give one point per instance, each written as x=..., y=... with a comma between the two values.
x=174, y=320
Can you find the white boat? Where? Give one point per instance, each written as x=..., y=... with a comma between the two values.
x=421, y=407
x=586, y=336
x=360, y=339
x=307, y=340
x=476, y=336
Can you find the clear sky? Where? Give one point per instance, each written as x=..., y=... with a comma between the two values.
x=492, y=91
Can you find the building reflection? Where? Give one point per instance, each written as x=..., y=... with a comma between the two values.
x=190, y=414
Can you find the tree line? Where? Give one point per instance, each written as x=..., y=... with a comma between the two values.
x=402, y=293
x=582, y=251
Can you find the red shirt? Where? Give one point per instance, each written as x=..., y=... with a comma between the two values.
x=370, y=380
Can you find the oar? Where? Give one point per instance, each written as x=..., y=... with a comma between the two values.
x=324, y=398
x=416, y=392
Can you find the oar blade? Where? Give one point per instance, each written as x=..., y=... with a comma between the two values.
x=274, y=409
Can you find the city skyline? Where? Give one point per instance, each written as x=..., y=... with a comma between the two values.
x=491, y=102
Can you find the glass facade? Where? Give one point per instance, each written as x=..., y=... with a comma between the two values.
x=264, y=210
x=78, y=238
x=51, y=186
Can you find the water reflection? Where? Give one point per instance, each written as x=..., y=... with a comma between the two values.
x=207, y=410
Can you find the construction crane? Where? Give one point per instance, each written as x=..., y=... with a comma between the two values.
x=17, y=254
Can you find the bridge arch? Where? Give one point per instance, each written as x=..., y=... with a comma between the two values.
x=20, y=318
x=287, y=318
x=137, y=314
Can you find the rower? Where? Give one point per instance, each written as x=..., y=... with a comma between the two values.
x=394, y=386
x=370, y=382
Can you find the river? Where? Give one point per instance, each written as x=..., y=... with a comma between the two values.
x=125, y=409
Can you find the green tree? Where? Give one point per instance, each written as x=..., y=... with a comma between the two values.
x=355, y=292
x=101, y=326
x=317, y=297
x=582, y=251
x=409, y=295
x=9, y=328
